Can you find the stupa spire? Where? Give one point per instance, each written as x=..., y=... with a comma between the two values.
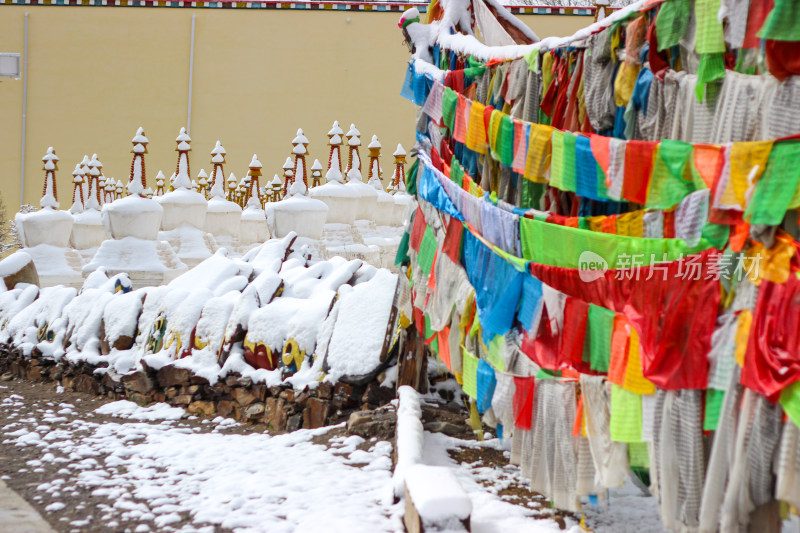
x=49, y=192
x=353, y=158
x=183, y=179
x=93, y=200
x=335, y=157
x=217, y=173
x=77, y=190
x=137, y=182
x=399, y=177
x=255, y=199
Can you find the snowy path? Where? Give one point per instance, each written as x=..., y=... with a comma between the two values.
x=168, y=476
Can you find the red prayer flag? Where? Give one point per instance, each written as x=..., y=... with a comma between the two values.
x=523, y=401
x=638, y=167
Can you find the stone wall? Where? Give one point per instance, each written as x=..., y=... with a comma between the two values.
x=280, y=408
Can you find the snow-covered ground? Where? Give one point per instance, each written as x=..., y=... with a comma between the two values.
x=151, y=468
x=159, y=474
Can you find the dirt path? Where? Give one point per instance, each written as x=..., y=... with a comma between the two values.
x=21, y=467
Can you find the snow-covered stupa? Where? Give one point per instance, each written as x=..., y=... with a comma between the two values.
x=367, y=205
x=184, y=219
x=385, y=206
x=397, y=188
x=45, y=234
x=253, y=227
x=223, y=217
x=88, y=231
x=343, y=205
x=133, y=223
x=297, y=211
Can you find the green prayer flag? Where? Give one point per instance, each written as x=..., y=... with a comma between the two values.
x=411, y=177
x=568, y=177
x=449, y=102
x=672, y=22
x=716, y=234
x=714, y=399
x=709, y=36
x=470, y=374
x=775, y=189
x=710, y=69
x=497, y=348
x=601, y=325
x=619, y=251
x=427, y=251
x=456, y=172
x=638, y=455
x=790, y=401
x=402, y=250
x=667, y=186
x=783, y=22
x=626, y=415
x=557, y=160
x=505, y=141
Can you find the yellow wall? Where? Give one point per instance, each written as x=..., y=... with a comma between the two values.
x=96, y=73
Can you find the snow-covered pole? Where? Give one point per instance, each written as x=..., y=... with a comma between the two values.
x=399, y=176
x=49, y=193
x=137, y=182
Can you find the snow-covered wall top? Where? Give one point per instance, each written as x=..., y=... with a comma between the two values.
x=513, y=6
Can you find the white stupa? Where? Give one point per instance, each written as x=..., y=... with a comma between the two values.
x=343, y=204
x=254, y=228
x=384, y=211
x=298, y=212
x=184, y=220
x=355, y=182
x=88, y=231
x=223, y=217
x=133, y=223
x=398, y=186
x=45, y=233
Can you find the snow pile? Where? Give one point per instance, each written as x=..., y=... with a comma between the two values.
x=360, y=329
x=126, y=409
x=225, y=315
x=437, y=494
x=410, y=440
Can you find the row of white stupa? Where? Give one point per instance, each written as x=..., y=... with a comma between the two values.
x=154, y=237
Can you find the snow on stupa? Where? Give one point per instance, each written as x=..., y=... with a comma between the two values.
x=254, y=228
x=297, y=211
x=88, y=231
x=222, y=216
x=45, y=233
x=367, y=194
x=184, y=220
x=343, y=204
x=133, y=223
x=384, y=212
x=398, y=186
